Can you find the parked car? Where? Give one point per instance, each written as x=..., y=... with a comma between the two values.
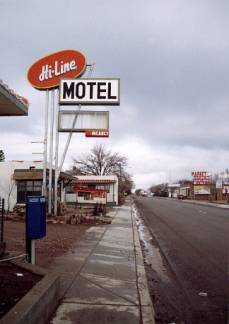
x=181, y=197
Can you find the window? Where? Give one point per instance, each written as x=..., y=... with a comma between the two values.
x=85, y=195
x=28, y=188
x=91, y=185
x=104, y=187
x=68, y=189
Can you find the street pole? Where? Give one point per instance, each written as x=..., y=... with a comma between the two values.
x=46, y=114
x=51, y=153
x=68, y=142
x=57, y=108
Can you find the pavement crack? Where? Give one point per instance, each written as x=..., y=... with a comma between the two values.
x=98, y=304
x=108, y=290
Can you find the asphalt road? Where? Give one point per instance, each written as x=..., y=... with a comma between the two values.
x=193, y=240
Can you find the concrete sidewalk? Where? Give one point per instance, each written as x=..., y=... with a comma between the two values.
x=103, y=279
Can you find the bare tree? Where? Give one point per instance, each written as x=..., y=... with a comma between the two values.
x=102, y=162
x=2, y=156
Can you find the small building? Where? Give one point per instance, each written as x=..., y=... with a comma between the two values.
x=92, y=190
x=173, y=190
x=19, y=179
x=186, y=189
x=15, y=184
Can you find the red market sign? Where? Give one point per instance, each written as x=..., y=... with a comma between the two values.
x=77, y=188
x=47, y=72
x=201, y=177
x=97, y=133
x=200, y=174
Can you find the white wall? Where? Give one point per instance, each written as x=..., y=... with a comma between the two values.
x=8, y=188
x=97, y=200
x=112, y=195
x=111, y=177
x=70, y=198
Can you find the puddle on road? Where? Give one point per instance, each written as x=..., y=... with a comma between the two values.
x=152, y=255
x=162, y=290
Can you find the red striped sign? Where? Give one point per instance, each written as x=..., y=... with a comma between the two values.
x=97, y=133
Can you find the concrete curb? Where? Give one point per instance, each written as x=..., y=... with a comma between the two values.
x=206, y=204
x=39, y=303
x=197, y=202
x=147, y=309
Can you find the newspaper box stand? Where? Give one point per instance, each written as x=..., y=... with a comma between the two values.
x=35, y=223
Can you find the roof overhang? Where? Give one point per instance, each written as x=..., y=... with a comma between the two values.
x=28, y=175
x=12, y=104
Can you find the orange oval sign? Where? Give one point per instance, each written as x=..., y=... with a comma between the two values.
x=47, y=72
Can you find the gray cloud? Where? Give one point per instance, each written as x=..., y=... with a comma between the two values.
x=172, y=58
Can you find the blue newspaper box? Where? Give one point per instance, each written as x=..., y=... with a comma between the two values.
x=35, y=217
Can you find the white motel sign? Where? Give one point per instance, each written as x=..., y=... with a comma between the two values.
x=81, y=121
x=90, y=91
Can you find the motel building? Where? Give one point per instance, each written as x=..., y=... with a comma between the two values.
x=20, y=179
x=93, y=190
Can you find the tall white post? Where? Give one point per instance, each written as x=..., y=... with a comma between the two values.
x=67, y=143
x=51, y=152
x=46, y=114
x=57, y=108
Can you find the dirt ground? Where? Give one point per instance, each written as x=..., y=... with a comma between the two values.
x=60, y=238
x=15, y=282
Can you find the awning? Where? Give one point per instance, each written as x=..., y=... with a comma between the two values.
x=11, y=104
x=28, y=174
x=94, y=181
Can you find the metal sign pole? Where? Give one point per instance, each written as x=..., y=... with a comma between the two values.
x=67, y=143
x=56, y=159
x=46, y=114
x=91, y=68
x=51, y=153
x=33, y=252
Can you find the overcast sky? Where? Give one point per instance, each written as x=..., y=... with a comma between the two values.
x=173, y=61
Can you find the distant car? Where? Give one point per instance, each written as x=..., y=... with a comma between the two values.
x=181, y=197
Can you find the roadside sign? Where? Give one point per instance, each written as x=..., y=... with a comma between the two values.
x=201, y=177
x=202, y=190
x=97, y=133
x=81, y=121
x=219, y=184
x=90, y=91
x=46, y=72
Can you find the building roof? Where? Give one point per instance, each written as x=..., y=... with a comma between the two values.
x=37, y=174
x=93, y=179
x=174, y=185
x=11, y=104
